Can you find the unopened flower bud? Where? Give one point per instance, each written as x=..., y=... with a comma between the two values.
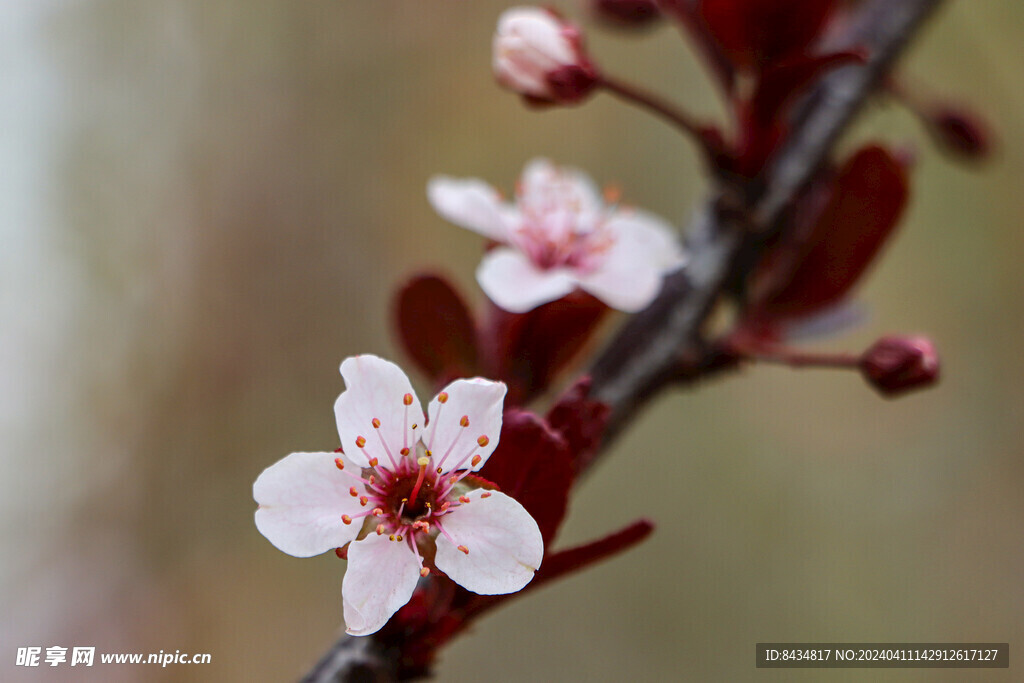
x=960, y=131
x=540, y=56
x=894, y=365
x=626, y=13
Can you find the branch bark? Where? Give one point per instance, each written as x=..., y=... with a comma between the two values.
x=664, y=344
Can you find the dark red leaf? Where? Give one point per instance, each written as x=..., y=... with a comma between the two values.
x=532, y=464
x=869, y=195
x=581, y=422
x=626, y=13
x=564, y=562
x=755, y=33
x=960, y=131
x=527, y=350
x=436, y=329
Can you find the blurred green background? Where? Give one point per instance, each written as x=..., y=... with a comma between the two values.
x=206, y=207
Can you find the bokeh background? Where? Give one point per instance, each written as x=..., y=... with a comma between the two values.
x=205, y=207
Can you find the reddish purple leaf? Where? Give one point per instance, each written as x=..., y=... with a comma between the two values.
x=532, y=464
x=436, y=329
x=869, y=195
x=755, y=33
x=527, y=350
x=581, y=422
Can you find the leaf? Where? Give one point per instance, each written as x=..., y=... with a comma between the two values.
x=436, y=329
x=532, y=464
x=581, y=422
x=868, y=197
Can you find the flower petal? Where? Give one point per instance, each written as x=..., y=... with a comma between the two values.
x=476, y=403
x=375, y=390
x=630, y=276
x=380, y=578
x=302, y=498
x=470, y=203
x=541, y=179
x=504, y=543
x=512, y=282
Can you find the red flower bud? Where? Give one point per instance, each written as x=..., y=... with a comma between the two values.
x=895, y=365
x=960, y=131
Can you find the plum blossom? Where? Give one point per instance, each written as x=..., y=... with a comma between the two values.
x=402, y=492
x=539, y=55
x=559, y=235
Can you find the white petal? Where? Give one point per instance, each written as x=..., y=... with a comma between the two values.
x=302, y=498
x=512, y=282
x=540, y=31
x=375, y=389
x=480, y=402
x=380, y=578
x=470, y=203
x=541, y=178
x=504, y=543
x=630, y=276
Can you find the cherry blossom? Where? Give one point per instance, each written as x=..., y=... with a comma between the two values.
x=401, y=492
x=559, y=235
x=540, y=55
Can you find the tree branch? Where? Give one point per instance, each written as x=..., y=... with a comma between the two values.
x=664, y=343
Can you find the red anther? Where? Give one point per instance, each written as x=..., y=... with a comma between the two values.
x=380, y=529
x=363, y=500
x=339, y=449
x=373, y=462
x=424, y=572
x=376, y=423
x=483, y=441
x=464, y=549
x=404, y=451
x=464, y=421
x=339, y=463
x=346, y=519
x=442, y=397
x=445, y=505
x=360, y=442
x=407, y=399
x=475, y=461
x=342, y=552
x=353, y=492
x=372, y=479
x=486, y=494
x=463, y=499
x=378, y=512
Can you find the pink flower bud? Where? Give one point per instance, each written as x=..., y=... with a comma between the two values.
x=894, y=365
x=540, y=56
x=626, y=13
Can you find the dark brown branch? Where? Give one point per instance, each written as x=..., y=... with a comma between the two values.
x=664, y=343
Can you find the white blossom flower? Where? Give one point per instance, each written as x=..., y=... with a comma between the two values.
x=400, y=490
x=557, y=236
x=538, y=54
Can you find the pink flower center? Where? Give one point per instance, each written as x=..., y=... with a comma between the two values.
x=409, y=495
x=559, y=227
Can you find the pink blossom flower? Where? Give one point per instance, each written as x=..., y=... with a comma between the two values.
x=540, y=55
x=402, y=490
x=557, y=236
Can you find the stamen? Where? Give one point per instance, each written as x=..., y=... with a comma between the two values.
x=407, y=399
x=360, y=441
x=485, y=494
x=394, y=465
x=463, y=499
x=346, y=519
x=475, y=461
x=353, y=492
x=339, y=463
x=404, y=452
x=376, y=423
x=342, y=552
x=464, y=421
x=483, y=441
x=424, y=572
x=363, y=500
x=464, y=549
x=442, y=397
x=380, y=529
